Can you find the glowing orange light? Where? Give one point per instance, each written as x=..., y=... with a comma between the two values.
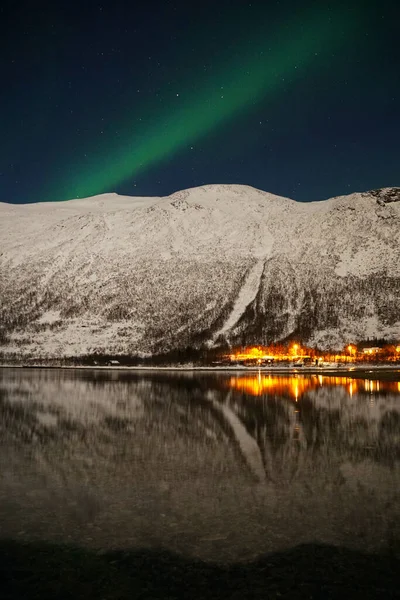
x=296, y=387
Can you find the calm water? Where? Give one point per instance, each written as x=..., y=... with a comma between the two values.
x=221, y=467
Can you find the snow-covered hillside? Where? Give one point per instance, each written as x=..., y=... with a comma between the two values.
x=116, y=274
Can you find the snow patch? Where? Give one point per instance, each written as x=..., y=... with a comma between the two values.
x=49, y=317
x=246, y=295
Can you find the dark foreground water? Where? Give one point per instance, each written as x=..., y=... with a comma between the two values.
x=117, y=484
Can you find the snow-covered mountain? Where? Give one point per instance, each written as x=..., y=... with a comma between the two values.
x=116, y=274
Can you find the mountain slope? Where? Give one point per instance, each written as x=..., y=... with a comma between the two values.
x=222, y=262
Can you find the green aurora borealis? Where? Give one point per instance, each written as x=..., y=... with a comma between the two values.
x=258, y=74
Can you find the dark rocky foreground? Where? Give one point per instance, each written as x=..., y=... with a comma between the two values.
x=44, y=571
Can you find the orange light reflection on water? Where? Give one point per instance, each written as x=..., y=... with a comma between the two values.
x=295, y=387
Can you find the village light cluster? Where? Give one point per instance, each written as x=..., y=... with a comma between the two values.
x=259, y=355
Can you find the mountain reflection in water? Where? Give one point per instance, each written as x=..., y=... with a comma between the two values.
x=216, y=466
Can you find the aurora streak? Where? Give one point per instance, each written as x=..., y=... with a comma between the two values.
x=258, y=74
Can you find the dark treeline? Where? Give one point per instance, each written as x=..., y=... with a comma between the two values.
x=181, y=356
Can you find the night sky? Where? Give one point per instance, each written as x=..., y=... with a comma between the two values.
x=301, y=99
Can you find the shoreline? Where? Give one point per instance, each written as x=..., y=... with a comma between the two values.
x=363, y=368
